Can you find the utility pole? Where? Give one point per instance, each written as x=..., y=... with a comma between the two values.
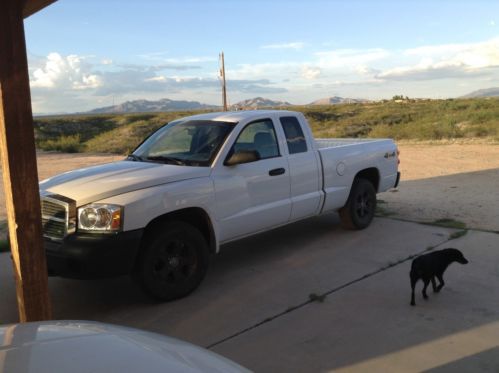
x=224, y=87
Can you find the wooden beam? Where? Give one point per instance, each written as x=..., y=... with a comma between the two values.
x=33, y=6
x=20, y=176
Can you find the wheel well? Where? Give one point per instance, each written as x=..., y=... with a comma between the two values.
x=195, y=216
x=370, y=174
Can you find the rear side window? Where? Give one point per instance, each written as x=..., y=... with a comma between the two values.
x=294, y=135
x=259, y=136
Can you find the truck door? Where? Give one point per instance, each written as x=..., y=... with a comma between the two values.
x=253, y=196
x=304, y=170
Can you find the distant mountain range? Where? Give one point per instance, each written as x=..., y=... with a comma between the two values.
x=258, y=102
x=337, y=100
x=487, y=92
x=146, y=106
x=165, y=104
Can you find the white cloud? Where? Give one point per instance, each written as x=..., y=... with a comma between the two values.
x=448, y=61
x=293, y=45
x=365, y=70
x=476, y=55
x=310, y=73
x=492, y=23
x=107, y=61
x=260, y=70
x=160, y=78
x=350, y=57
x=59, y=72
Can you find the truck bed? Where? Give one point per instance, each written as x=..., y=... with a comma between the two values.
x=334, y=143
x=342, y=158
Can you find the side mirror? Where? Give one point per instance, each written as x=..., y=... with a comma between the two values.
x=242, y=156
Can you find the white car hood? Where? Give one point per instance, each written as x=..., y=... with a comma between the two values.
x=83, y=346
x=92, y=184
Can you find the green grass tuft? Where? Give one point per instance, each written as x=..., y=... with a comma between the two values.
x=458, y=234
x=383, y=212
x=449, y=223
x=66, y=144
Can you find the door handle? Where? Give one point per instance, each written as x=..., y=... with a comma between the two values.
x=277, y=171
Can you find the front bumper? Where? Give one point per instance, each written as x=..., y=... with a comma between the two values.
x=91, y=256
x=398, y=180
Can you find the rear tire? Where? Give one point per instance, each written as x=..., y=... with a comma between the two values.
x=359, y=210
x=173, y=261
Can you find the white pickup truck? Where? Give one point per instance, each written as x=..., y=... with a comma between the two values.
x=202, y=181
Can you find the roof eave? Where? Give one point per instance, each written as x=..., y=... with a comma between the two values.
x=33, y=6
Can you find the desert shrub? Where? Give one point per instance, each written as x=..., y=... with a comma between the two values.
x=123, y=140
x=66, y=144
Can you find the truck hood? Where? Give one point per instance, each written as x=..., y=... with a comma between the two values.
x=86, y=346
x=86, y=185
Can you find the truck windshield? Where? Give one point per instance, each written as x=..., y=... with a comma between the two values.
x=189, y=143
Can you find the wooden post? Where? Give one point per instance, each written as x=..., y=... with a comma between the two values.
x=20, y=176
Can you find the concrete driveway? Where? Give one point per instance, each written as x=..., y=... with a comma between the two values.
x=254, y=305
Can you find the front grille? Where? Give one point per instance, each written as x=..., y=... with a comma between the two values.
x=54, y=209
x=53, y=229
x=54, y=218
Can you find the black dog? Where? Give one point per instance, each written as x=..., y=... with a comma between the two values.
x=427, y=267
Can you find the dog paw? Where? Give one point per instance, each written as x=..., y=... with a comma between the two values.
x=413, y=303
x=425, y=297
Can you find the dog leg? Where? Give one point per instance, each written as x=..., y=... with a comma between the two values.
x=434, y=285
x=413, y=285
x=442, y=283
x=426, y=283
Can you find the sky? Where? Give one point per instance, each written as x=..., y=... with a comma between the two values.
x=84, y=54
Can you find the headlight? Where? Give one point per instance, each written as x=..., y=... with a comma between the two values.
x=98, y=217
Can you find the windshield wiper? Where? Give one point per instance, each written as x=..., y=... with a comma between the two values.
x=163, y=158
x=133, y=157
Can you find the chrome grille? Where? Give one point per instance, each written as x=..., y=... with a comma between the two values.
x=53, y=229
x=54, y=218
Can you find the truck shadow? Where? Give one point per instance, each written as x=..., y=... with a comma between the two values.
x=77, y=298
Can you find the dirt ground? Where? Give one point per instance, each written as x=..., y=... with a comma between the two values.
x=453, y=181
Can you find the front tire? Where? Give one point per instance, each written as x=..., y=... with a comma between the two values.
x=173, y=261
x=359, y=210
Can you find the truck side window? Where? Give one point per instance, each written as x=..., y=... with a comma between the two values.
x=294, y=135
x=259, y=136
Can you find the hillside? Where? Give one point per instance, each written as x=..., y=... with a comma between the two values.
x=422, y=120
x=337, y=100
x=487, y=92
x=258, y=102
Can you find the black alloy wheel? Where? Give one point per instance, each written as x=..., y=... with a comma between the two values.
x=173, y=261
x=359, y=210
